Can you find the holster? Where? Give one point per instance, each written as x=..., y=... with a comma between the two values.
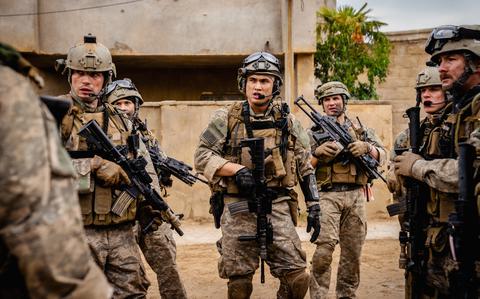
x=216, y=207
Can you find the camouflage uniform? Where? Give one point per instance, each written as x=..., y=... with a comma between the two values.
x=43, y=251
x=441, y=173
x=158, y=246
x=344, y=221
x=240, y=259
x=160, y=249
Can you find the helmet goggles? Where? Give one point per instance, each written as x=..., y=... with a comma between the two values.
x=262, y=61
x=441, y=35
x=124, y=83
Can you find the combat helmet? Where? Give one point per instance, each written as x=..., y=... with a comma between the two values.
x=121, y=89
x=450, y=38
x=88, y=56
x=428, y=77
x=330, y=89
x=260, y=63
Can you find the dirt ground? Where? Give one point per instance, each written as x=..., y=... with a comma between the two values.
x=380, y=276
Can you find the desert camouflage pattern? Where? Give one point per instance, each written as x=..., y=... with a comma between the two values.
x=160, y=251
x=241, y=258
x=115, y=250
x=209, y=154
x=344, y=222
x=44, y=253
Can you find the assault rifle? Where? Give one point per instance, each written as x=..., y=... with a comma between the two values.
x=167, y=166
x=464, y=223
x=333, y=131
x=260, y=201
x=135, y=169
x=412, y=240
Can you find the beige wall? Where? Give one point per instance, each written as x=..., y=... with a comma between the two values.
x=178, y=126
x=407, y=59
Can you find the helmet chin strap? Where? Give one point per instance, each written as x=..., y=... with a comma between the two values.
x=457, y=87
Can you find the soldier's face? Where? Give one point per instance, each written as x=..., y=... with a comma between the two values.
x=87, y=84
x=433, y=98
x=451, y=67
x=333, y=105
x=127, y=106
x=258, y=90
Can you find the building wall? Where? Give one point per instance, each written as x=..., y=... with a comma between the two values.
x=178, y=125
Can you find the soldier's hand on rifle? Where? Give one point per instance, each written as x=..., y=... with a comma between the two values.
x=313, y=221
x=359, y=148
x=109, y=173
x=245, y=181
x=328, y=149
x=146, y=214
x=404, y=163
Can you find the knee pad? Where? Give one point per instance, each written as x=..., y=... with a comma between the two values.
x=294, y=285
x=240, y=287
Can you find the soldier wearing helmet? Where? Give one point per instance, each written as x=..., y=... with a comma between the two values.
x=108, y=210
x=158, y=247
x=456, y=51
x=229, y=171
x=344, y=190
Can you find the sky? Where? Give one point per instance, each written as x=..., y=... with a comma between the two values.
x=419, y=14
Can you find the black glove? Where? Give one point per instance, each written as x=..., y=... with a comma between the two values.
x=245, y=182
x=148, y=218
x=313, y=221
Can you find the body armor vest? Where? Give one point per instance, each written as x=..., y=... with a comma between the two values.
x=96, y=202
x=340, y=171
x=275, y=126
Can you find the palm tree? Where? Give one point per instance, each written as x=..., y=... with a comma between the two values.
x=351, y=49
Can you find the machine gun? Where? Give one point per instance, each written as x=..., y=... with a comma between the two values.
x=412, y=239
x=135, y=169
x=260, y=201
x=464, y=227
x=333, y=131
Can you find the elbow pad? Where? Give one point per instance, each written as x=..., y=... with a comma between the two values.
x=309, y=188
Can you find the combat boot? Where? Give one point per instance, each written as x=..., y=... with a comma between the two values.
x=240, y=287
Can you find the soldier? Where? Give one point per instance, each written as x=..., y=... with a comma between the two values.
x=108, y=212
x=159, y=246
x=430, y=94
x=222, y=161
x=343, y=189
x=43, y=249
x=456, y=49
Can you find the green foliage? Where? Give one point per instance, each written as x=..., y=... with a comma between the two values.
x=350, y=46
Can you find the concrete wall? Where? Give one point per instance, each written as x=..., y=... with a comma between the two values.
x=178, y=126
x=407, y=59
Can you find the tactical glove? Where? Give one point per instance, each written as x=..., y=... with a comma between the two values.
x=108, y=173
x=313, y=221
x=326, y=150
x=404, y=163
x=245, y=182
x=147, y=215
x=359, y=148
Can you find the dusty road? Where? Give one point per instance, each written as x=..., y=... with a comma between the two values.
x=380, y=276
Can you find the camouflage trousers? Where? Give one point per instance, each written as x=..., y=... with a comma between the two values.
x=160, y=251
x=115, y=250
x=343, y=221
x=239, y=258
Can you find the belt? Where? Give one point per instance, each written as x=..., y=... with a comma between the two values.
x=338, y=187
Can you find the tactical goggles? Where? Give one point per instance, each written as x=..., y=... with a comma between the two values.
x=124, y=83
x=262, y=56
x=441, y=35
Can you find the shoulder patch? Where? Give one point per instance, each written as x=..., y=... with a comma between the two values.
x=217, y=128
